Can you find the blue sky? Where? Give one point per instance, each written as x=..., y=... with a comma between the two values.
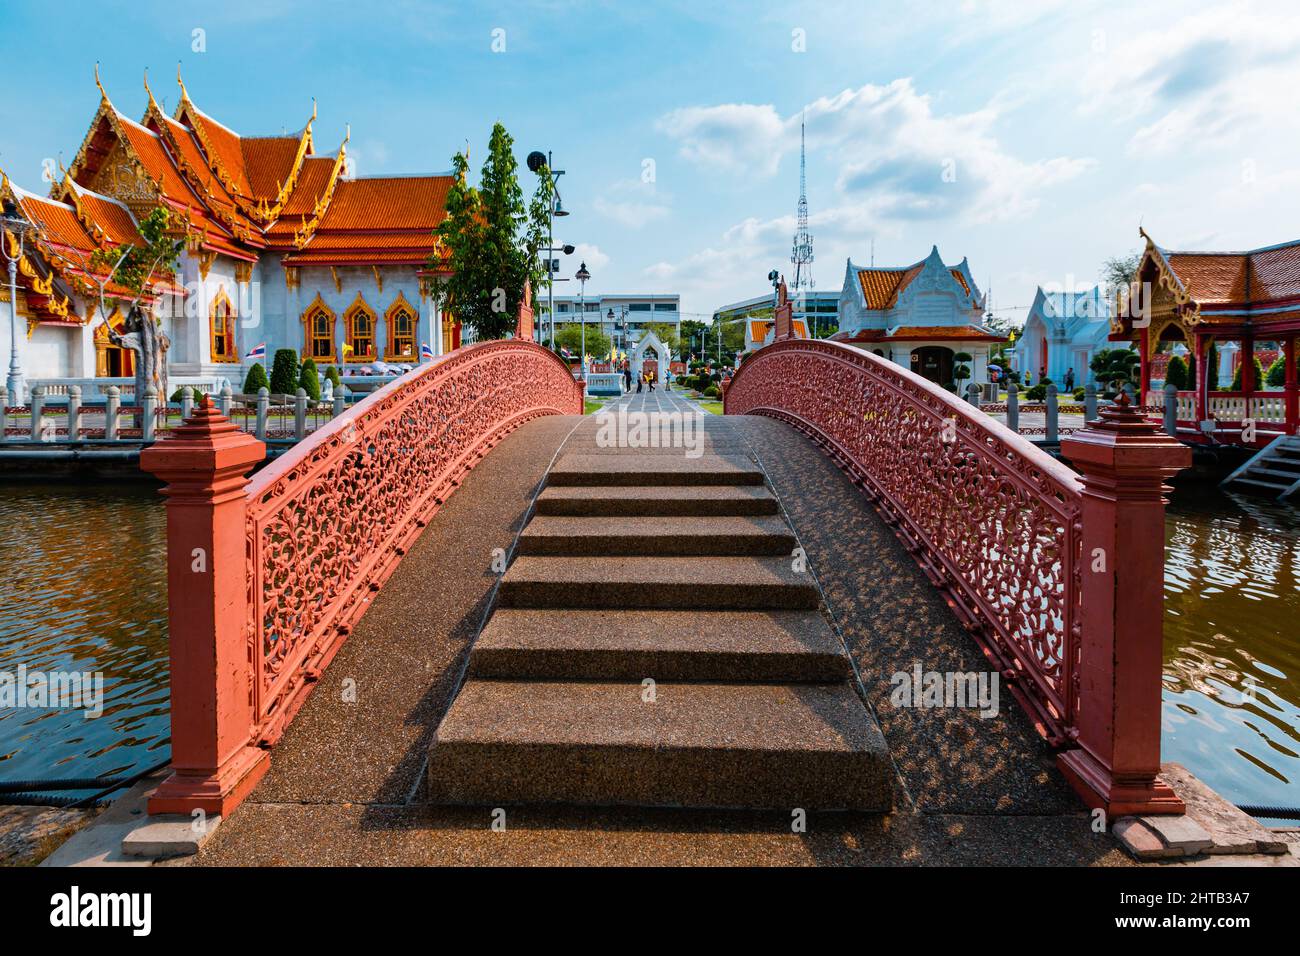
x=1030, y=137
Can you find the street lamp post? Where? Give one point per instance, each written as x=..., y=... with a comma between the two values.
x=12, y=222
x=582, y=276
x=535, y=162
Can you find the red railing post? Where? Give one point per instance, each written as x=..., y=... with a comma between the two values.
x=214, y=764
x=524, y=320
x=1125, y=461
x=783, y=315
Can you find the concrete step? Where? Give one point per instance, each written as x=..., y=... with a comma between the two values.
x=728, y=583
x=658, y=536
x=546, y=644
x=1261, y=483
x=783, y=746
x=634, y=469
x=637, y=500
x=1287, y=476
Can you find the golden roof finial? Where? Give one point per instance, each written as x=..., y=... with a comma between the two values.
x=100, y=85
x=153, y=104
x=313, y=111
x=181, y=83
x=347, y=134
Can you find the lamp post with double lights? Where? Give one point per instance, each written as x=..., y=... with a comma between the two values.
x=582, y=275
x=536, y=162
x=14, y=224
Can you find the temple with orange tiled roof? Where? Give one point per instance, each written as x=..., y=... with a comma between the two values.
x=283, y=246
x=919, y=316
x=1203, y=299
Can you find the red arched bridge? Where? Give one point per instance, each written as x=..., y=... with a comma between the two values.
x=659, y=631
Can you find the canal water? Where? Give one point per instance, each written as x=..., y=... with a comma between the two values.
x=84, y=589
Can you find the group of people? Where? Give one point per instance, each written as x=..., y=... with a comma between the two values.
x=1042, y=374
x=644, y=380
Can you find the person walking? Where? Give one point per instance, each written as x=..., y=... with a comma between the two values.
x=1069, y=380
x=627, y=377
x=639, y=380
x=653, y=376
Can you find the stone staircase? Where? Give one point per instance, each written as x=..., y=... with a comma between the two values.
x=652, y=645
x=1274, y=470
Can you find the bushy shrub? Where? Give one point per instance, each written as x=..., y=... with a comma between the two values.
x=1078, y=394
x=309, y=380
x=1176, y=373
x=712, y=391
x=256, y=379
x=1275, y=377
x=284, y=372
x=1259, y=375
x=1036, y=393
x=335, y=378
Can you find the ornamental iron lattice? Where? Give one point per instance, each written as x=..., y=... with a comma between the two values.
x=328, y=522
x=993, y=520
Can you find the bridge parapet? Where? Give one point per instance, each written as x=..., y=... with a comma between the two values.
x=1020, y=543
x=267, y=576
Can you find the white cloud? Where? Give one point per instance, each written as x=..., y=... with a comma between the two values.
x=1214, y=78
x=590, y=254
x=632, y=214
x=735, y=137
x=897, y=159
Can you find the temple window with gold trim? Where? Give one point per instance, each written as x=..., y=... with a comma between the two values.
x=401, y=331
x=359, y=330
x=318, y=327
x=223, y=329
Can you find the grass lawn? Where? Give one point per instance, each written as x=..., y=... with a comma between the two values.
x=591, y=405
x=711, y=406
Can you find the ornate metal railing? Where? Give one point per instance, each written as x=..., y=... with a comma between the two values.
x=267, y=576
x=328, y=522
x=992, y=519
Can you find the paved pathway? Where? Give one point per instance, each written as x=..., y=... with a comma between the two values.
x=658, y=642
x=347, y=782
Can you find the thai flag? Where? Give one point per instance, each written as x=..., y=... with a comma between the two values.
x=257, y=352
x=425, y=351
x=565, y=352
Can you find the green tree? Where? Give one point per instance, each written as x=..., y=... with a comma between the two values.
x=284, y=372
x=1118, y=272
x=1259, y=376
x=309, y=380
x=667, y=333
x=962, y=371
x=256, y=379
x=335, y=379
x=690, y=332
x=1176, y=373
x=1275, y=377
x=570, y=337
x=1115, y=367
x=492, y=240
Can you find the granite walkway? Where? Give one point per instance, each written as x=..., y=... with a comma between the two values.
x=345, y=786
